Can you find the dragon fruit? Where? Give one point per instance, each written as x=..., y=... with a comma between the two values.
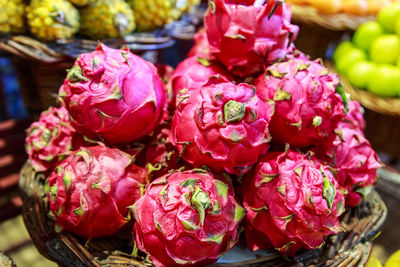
x=90, y=191
x=113, y=95
x=292, y=202
x=355, y=160
x=354, y=117
x=50, y=138
x=307, y=107
x=223, y=126
x=201, y=45
x=194, y=72
x=247, y=35
x=187, y=218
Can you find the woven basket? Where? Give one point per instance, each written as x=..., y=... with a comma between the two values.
x=382, y=116
x=6, y=261
x=349, y=248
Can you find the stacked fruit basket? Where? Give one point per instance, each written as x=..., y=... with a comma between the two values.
x=248, y=148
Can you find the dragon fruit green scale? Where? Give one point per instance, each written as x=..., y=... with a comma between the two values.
x=113, y=95
x=223, y=126
x=307, y=107
x=90, y=191
x=187, y=219
x=292, y=202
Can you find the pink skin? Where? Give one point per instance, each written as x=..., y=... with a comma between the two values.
x=307, y=107
x=114, y=95
x=355, y=160
x=243, y=37
x=204, y=135
x=50, y=137
x=90, y=191
x=191, y=74
x=201, y=45
x=287, y=208
x=175, y=231
x=354, y=117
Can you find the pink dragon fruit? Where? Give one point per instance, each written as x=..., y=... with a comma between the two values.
x=194, y=72
x=307, y=107
x=113, y=95
x=201, y=46
x=354, y=117
x=246, y=35
x=161, y=155
x=355, y=160
x=50, y=138
x=90, y=191
x=187, y=219
x=223, y=126
x=292, y=202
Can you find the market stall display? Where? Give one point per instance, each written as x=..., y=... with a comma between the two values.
x=169, y=171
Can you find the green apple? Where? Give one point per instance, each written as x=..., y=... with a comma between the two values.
x=385, y=49
x=341, y=49
x=385, y=81
x=348, y=58
x=366, y=34
x=387, y=16
x=359, y=74
x=397, y=26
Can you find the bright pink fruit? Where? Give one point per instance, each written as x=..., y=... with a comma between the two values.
x=292, y=202
x=90, y=191
x=245, y=35
x=355, y=160
x=223, y=126
x=194, y=72
x=354, y=117
x=187, y=219
x=307, y=107
x=50, y=138
x=113, y=95
x=201, y=47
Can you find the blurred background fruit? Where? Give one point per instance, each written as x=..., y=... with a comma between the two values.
x=81, y=2
x=49, y=20
x=12, y=16
x=103, y=19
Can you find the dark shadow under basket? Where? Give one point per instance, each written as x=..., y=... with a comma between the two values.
x=349, y=248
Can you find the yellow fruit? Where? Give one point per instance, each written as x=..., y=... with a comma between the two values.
x=80, y=2
x=12, y=16
x=151, y=14
x=355, y=7
x=394, y=260
x=50, y=20
x=327, y=6
x=373, y=262
x=104, y=19
x=375, y=5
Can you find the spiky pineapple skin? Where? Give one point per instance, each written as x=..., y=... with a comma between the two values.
x=12, y=14
x=101, y=19
x=151, y=14
x=50, y=20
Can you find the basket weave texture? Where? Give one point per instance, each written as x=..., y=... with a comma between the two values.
x=336, y=22
x=351, y=247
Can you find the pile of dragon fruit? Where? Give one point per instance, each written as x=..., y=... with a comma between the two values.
x=246, y=134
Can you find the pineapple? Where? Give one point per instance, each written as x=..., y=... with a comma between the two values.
x=104, y=19
x=12, y=16
x=50, y=20
x=151, y=14
x=80, y=2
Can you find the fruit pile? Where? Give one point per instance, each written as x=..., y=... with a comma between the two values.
x=372, y=59
x=248, y=133
x=353, y=7
x=50, y=20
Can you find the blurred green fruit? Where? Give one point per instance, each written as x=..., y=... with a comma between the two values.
x=388, y=15
x=385, y=49
x=366, y=34
x=341, y=49
x=397, y=26
x=385, y=81
x=348, y=58
x=360, y=73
